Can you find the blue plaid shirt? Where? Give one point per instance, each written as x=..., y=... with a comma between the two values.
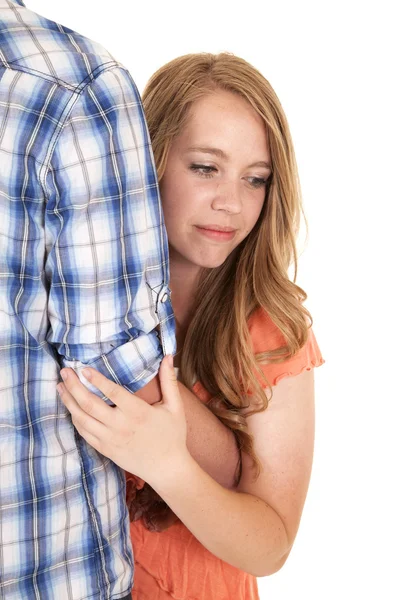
x=83, y=280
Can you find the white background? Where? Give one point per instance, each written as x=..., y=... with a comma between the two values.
x=335, y=67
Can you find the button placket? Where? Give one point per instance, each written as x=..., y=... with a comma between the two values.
x=163, y=311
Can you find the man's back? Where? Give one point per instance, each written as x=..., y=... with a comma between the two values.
x=75, y=172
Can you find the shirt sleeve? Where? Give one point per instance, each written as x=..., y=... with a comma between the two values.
x=106, y=247
x=266, y=336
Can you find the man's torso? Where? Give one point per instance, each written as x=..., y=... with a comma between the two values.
x=62, y=511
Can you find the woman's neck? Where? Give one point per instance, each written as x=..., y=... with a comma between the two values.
x=183, y=284
x=184, y=278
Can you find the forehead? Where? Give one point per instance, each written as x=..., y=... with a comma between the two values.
x=223, y=116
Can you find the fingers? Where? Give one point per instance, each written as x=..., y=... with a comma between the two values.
x=80, y=398
x=91, y=439
x=116, y=393
x=88, y=427
x=169, y=384
x=87, y=401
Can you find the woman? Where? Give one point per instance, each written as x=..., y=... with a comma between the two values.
x=231, y=203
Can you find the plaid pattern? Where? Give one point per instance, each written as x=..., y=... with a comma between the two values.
x=83, y=280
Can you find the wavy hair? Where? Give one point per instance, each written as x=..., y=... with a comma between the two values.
x=217, y=350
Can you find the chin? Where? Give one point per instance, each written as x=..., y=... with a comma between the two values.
x=211, y=263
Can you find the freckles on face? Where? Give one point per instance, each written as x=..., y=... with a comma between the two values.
x=214, y=185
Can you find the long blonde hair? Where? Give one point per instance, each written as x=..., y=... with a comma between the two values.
x=217, y=349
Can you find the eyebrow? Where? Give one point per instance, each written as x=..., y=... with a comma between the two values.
x=221, y=154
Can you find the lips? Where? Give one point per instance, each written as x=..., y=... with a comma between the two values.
x=216, y=228
x=218, y=233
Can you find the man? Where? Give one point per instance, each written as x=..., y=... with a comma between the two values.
x=83, y=280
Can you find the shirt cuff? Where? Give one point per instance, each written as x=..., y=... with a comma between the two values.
x=131, y=365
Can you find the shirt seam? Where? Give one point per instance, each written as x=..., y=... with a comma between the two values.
x=35, y=73
x=77, y=94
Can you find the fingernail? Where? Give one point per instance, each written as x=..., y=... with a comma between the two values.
x=60, y=389
x=64, y=374
x=170, y=361
x=86, y=373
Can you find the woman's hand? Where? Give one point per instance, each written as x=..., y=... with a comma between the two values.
x=147, y=440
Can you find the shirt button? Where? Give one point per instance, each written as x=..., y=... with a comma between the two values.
x=164, y=298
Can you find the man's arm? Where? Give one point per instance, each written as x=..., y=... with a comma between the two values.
x=107, y=256
x=106, y=244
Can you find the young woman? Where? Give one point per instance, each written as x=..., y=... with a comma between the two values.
x=232, y=205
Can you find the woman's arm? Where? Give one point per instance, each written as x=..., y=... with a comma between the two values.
x=252, y=529
x=212, y=444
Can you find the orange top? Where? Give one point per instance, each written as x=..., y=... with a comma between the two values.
x=172, y=563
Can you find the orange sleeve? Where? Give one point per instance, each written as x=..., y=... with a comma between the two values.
x=266, y=336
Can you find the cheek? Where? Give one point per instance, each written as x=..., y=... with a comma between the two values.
x=176, y=214
x=252, y=217
x=182, y=201
x=171, y=199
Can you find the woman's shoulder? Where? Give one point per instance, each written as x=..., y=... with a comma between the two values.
x=266, y=337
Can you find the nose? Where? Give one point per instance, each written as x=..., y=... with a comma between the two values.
x=228, y=198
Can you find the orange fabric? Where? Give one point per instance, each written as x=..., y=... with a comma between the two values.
x=173, y=564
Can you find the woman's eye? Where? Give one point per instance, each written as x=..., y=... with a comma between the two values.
x=257, y=182
x=203, y=170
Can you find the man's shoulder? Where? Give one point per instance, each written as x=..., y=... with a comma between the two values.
x=36, y=45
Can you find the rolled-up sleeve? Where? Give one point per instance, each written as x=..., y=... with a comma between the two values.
x=106, y=248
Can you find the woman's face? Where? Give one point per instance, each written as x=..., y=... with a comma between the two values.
x=214, y=184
